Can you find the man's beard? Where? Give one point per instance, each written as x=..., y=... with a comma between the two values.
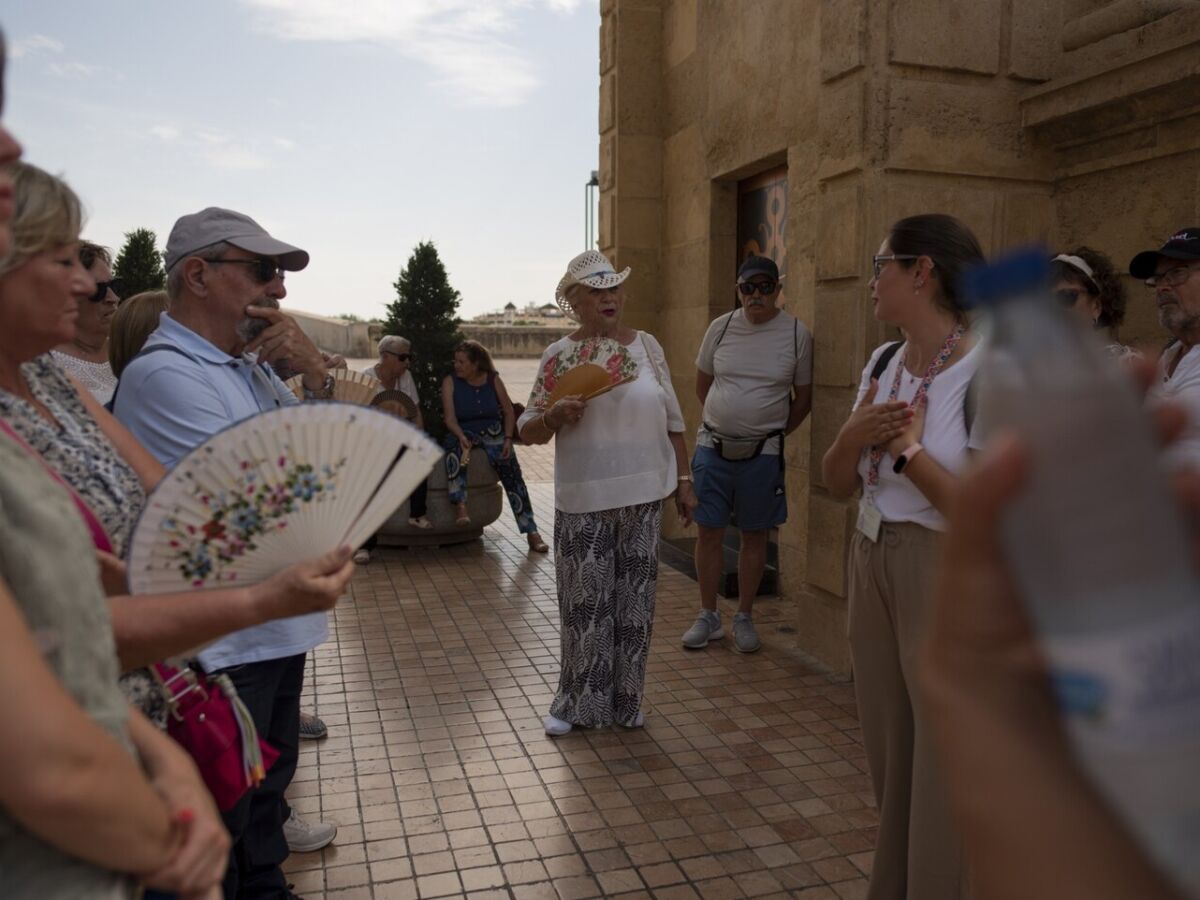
x=250, y=327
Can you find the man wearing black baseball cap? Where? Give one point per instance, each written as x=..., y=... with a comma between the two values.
x=1173, y=272
x=754, y=379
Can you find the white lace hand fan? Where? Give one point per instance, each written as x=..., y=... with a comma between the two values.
x=348, y=386
x=280, y=487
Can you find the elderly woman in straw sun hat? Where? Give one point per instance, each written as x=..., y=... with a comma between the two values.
x=618, y=456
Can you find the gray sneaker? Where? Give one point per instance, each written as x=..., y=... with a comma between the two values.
x=307, y=837
x=707, y=628
x=745, y=637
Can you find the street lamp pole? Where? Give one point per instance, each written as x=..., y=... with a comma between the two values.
x=589, y=207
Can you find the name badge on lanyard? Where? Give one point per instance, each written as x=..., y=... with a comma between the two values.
x=870, y=519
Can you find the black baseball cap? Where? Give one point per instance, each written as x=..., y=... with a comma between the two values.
x=758, y=265
x=1183, y=245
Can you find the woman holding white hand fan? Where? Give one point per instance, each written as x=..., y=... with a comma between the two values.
x=618, y=455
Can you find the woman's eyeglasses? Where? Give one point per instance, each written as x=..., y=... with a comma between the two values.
x=878, y=262
x=766, y=288
x=103, y=287
x=403, y=357
x=264, y=271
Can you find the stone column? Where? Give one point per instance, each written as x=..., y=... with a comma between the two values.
x=631, y=150
x=919, y=112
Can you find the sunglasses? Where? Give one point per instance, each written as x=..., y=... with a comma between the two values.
x=103, y=287
x=264, y=271
x=766, y=288
x=403, y=357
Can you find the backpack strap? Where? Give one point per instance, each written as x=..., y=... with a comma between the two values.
x=970, y=403
x=724, y=328
x=264, y=371
x=884, y=358
x=111, y=405
x=970, y=398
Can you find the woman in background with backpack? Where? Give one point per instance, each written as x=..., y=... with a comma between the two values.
x=479, y=413
x=905, y=442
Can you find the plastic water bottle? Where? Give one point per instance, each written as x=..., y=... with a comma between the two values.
x=1100, y=553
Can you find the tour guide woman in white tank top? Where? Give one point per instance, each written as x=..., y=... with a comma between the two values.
x=904, y=444
x=617, y=457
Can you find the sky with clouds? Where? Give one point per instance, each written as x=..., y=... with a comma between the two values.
x=352, y=128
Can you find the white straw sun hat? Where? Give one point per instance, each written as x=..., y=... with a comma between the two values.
x=591, y=267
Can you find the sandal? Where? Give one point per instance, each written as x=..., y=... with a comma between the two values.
x=537, y=545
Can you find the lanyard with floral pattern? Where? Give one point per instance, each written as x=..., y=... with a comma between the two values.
x=939, y=361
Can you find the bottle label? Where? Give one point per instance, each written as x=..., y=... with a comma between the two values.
x=1124, y=689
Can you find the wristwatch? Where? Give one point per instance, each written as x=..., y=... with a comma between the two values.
x=685, y=477
x=906, y=457
x=324, y=392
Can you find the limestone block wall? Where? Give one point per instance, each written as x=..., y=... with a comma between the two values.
x=515, y=340
x=1065, y=121
x=350, y=339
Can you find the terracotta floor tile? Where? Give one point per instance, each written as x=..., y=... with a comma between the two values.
x=749, y=778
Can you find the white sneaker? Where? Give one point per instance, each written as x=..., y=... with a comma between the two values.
x=420, y=522
x=361, y=556
x=556, y=727
x=306, y=837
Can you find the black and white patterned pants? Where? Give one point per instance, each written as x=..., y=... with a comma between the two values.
x=607, y=569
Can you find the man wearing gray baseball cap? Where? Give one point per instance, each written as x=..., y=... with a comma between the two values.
x=208, y=365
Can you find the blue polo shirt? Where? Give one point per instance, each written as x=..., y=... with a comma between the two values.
x=174, y=401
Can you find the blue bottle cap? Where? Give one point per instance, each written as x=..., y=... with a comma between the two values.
x=1011, y=275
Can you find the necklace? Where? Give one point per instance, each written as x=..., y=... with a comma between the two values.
x=85, y=348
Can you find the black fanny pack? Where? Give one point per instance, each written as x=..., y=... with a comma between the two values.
x=739, y=449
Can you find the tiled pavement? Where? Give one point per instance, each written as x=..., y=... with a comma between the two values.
x=748, y=779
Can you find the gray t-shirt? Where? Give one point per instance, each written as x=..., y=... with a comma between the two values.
x=754, y=368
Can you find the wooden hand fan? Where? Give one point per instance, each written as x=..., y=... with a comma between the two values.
x=348, y=386
x=590, y=368
x=275, y=489
x=397, y=403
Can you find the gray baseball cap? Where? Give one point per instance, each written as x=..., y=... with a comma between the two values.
x=196, y=231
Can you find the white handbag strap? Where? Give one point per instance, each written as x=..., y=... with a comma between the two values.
x=650, y=356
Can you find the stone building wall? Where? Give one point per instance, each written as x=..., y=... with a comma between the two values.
x=515, y=340
x=350, y=339
x=1065, y=121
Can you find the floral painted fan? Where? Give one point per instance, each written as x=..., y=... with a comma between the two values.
x=348, y=386
x=283, y=486
x=590, y=368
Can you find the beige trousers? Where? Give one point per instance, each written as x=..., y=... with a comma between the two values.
x=918, y=853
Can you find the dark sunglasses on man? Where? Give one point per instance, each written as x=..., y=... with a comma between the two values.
x=103, y=287
x=403, y=357
x=766, y=288
x=264, y=270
